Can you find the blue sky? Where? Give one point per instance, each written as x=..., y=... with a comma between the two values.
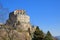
x=44, y=13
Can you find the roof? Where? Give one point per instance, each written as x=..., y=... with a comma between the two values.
x=19, y=11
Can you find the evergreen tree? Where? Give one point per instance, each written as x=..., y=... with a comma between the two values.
x=38, y=34
x=48, y=36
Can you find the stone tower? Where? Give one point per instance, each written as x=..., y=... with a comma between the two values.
x=21, y=16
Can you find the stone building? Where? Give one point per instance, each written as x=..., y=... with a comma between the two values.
x=21, y=16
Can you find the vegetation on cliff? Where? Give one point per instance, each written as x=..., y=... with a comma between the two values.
x=39, y=35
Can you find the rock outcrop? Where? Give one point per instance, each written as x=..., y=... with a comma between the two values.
x=17, y=27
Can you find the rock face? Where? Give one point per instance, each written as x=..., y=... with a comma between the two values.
x=19, y=18
x=17, y=27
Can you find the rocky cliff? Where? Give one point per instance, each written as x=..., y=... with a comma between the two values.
x=17, y=27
